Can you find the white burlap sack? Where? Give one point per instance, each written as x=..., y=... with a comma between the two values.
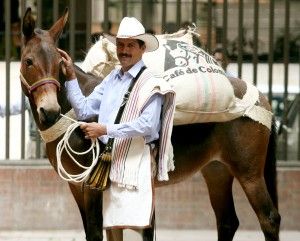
x=203, y=92
x=101, y=59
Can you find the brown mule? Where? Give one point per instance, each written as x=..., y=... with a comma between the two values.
x=241, y=148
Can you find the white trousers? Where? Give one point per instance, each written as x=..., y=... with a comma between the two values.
x=127, y=208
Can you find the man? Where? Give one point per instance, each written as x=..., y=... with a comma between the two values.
x=223, y=61
x=128, y=203
x=16, y=109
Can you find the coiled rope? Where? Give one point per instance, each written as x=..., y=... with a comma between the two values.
x=64, y=145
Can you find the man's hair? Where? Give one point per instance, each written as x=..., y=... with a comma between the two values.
x=140, y=42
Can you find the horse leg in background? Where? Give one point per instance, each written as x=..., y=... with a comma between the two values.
x=250, y=171
x=89, y=202
x=219, y=183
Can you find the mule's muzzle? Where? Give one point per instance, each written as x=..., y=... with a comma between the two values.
x=48, y=116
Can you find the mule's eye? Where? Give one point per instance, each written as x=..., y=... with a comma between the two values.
x=28, y=62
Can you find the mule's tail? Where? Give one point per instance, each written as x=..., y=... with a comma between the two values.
x=270, y=172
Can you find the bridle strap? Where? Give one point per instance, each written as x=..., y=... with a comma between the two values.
x=43, y=81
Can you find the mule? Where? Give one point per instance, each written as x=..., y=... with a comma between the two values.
x=241, y=148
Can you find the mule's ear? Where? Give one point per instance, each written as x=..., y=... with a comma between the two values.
x=58, y=27
x=28, y=25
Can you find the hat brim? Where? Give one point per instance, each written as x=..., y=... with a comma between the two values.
x=150, y=40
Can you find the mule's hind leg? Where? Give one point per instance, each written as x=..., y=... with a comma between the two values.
x=259, y=198
x=219, y=183
x=251, y=158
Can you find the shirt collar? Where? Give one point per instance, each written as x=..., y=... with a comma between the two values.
x=133, y=71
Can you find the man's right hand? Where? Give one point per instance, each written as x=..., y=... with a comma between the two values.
x=67, y=67
x=93, y=130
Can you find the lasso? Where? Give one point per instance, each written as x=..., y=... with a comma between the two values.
x=64, y=145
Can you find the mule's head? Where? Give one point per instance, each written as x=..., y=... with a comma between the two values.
x=40, y=67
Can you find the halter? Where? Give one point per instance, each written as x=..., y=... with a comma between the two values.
x=43, y=81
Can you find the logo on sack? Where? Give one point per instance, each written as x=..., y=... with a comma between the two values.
x=181, y=54
x=188, y=59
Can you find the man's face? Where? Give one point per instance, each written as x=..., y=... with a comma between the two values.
x=219, y=57
x=129, y=52
x=221, y=60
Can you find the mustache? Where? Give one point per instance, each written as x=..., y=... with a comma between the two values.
x=124, y=55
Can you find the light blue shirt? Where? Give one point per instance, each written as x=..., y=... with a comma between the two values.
x=105, y=102
x=16, y=109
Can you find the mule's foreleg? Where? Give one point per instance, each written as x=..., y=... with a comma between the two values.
x=93, y=210
x=219, y=183
x=90, y=205
x=78, y=196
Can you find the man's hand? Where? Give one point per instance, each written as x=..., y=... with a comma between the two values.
x=67, y=67
x=93, y=130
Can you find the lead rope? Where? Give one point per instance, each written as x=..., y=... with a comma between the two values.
x=64, y=145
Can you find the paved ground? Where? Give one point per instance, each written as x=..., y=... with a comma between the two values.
x=161, y=235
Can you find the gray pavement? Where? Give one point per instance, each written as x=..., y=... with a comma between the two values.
x=161, y=235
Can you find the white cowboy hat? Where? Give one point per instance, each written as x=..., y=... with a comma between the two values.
x=130, y=27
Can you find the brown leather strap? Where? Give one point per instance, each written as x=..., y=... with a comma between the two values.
x=43, y=81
